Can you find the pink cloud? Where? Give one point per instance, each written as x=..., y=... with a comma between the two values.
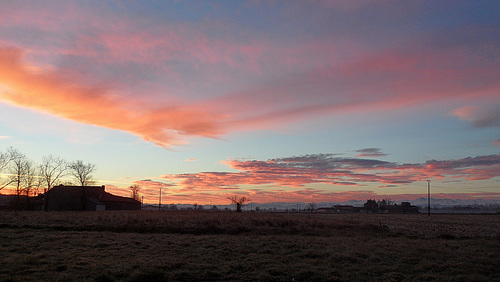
x=479, y=116
x=307, y=196
x=149, y=189
x=284, y=80
x=388, y=80
x=465, y=113
x=330, y=169
x=55, y=93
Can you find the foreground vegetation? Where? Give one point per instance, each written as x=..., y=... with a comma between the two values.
x=183, y=245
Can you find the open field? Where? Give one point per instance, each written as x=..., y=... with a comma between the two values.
x=188, y=245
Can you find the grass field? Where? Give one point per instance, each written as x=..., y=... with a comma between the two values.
x=188, y=245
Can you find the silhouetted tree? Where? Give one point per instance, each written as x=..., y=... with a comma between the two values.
x=386, y=202
x=5, y=160
x=371, y=205
x=134, y=192
x=238, y=201
x=52, y=169
x=82, y=172
x=18, y=166
x=29, y=181
x=311, y=207
x=383, y=206
x=23, y=174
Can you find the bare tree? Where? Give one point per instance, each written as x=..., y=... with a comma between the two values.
x=385, y=202
x=29, y=179
x=23, y=174
x=82, y=172
x=52, y=169
x=18, y=166
x=5, y=160
x=238, y=201
x=134, y=192
x=311, y=207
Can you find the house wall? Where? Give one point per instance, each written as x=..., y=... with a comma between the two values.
x=63, y=200
x=77, y=198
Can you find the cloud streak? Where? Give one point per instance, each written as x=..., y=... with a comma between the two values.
x=57, y=94
x=370, y=152
x=333, y=170
x=165, y=81
x=479, y=116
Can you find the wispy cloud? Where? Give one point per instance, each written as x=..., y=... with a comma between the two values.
x=480, y=116
x=370, y=152
x=292, y=179
x=56, y=93
x=329, y=169
x=164, y=82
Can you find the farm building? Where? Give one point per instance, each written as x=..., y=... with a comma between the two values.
x=15, y=202
x=371, y=206
x=88, y=198
x=405, y=207
x=339, y=209
x=325, y=210
x=344, y=209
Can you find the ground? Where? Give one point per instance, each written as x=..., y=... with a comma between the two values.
x=158, y=246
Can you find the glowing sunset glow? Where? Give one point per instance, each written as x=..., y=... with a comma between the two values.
x=287, y=101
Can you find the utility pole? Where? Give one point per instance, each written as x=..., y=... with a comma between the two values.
x=428, y=198
x=159, y=201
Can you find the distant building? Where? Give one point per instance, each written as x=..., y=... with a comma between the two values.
x=371, y=206
x=405, y=207
x=85, y=198
x=344, y=209
x=325, y=210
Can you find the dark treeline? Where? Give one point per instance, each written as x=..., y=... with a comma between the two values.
x=23, y=176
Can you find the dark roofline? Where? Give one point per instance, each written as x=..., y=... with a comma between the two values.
x=104, y=197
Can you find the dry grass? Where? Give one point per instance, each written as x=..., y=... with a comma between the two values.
x=185, y=222
x=158, y=246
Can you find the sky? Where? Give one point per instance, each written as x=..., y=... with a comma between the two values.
x=279, y=101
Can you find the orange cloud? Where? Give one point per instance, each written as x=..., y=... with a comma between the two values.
x=283, y=82
x=330, y=169
x=56, y=93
